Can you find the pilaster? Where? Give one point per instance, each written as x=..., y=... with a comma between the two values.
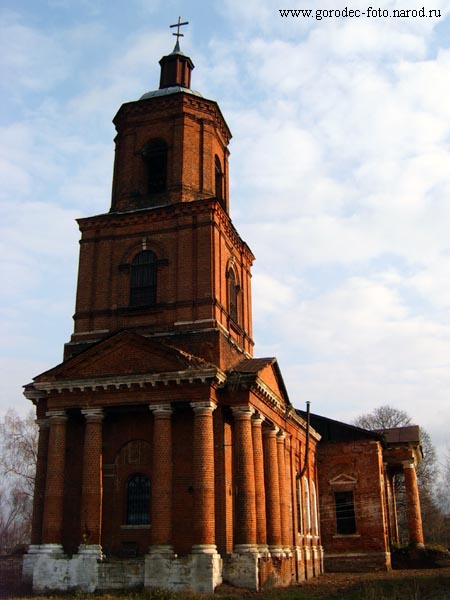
x=272, y=491
x=203, y=469
x=260, y=499
x=245, y=481
x=161, y=515
x=54, y=485
x=39, y=482
x=413, y=506
x=91, y=487
x=284, y=519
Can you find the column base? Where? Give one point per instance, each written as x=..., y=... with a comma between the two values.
x=29, y=561
x=197, y=572
x=90, y=550
x=51, y=549
x=246, y=548
x=417, y=545
x=276, y=551
x=161, y=550
x=263, y=551
x=204, y=549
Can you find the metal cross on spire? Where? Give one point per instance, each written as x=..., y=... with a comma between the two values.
x=178, y=25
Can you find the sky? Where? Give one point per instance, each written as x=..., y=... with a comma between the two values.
x=339, y=175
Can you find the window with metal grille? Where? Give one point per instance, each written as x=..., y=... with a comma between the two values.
x=345, y=513
x=155, y=157
x=143, y=279
x=138, y=500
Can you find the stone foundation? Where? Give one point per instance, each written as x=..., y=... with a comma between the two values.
x=196, y=572
x=63, y=574
x=358, y=562
x=242, y=570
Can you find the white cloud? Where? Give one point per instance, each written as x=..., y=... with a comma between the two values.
x=340, y=179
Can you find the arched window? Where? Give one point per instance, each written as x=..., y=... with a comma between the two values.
x=315, y=511
x=138, y=500
x=218, y=179
x=299, y=507
x=143, y=279
x=155, y=157
x=233, y=293
x=307, y=506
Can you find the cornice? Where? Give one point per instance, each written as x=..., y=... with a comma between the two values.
x=95, y=384
x=143, y=216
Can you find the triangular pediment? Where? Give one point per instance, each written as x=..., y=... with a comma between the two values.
x=343, y=479
x=263, y=373
x=122, y=354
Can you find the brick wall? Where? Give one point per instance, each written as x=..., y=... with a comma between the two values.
x=11, y=577
x=358, y=467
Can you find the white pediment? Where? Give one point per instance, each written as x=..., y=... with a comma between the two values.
x=343, y=478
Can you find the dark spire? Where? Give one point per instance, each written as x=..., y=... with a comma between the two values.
x=176, y=67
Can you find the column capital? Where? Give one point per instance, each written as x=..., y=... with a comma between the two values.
x=408, y=464
x=92, y=414
x=281, y=436
x=42, y=424
x=242, y=412
x=258, y=419
x=161, y=410
x=271, y=431
x=207, y=407
x=57, y=416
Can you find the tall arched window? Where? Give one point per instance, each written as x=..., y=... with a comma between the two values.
x=233, y=294
x=155, y=157
x=143, y=279
x=299, y=507
x=138, y=500
x=218, y=179
x=315, y=510
x=307, y=506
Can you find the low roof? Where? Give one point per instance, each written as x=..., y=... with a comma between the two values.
x=336, y=431
x=402, y=435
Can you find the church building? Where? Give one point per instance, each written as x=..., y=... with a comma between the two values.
x=169, y=456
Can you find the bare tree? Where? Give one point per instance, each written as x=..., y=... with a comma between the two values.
x=387, y=417
x=383, y=417
x=18, y=453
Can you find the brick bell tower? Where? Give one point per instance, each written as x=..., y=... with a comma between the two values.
x=161, y=439
x=166, y=260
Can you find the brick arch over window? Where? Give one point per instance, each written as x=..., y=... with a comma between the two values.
x=134, y=452
x=143, y=279
x=154, y=154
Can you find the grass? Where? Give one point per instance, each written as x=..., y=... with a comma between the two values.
x=411, y=589
x=419, y=585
